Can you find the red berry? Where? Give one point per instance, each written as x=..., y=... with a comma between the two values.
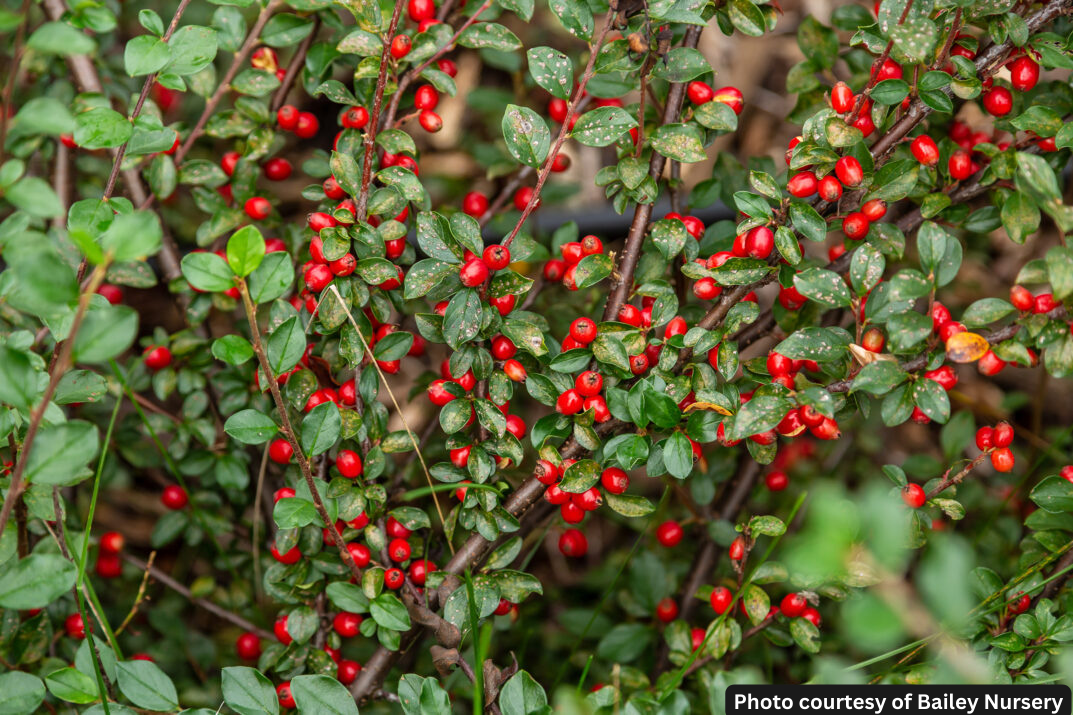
x=830, y=189
x=985, y=438
x=990, y=364
x=280, y=451
x=557, y=109
x=569, y=403
x=998, y=101
x=157, y=357
x=348, y=463
x=515, y=371
x=960, y=165
x=1024, y=73
x=496, y=257
x=812, y=616
x=355, y=118
x=841, y=98
x=287, y=117
x=583, y=330
x=699, y=92
x=855, y=226
x=258, y=208
x=430, y=121
x=523, y=196
x=460, y=456
x=759, y=242
x=615, y=480
x=307, y=125
x=913, y=495
x=174, y=497
x=874, y=210
x=730, y=96
x=849, y=171
x=1021, y=298
x=589, y=383
x=473, y=273
x=474, y=204
x=1002, y=435
x=669, y=533
x=277, y=169
x=419, y=571
x=793, y=605
x=720, y=599
x=777, y=481
x=360, y=554
x=291, y=557
x=347, y=671
x=74, y=626
x=573, y=543
x=666, y=610
x=248, y=646
x=399, y=550
x=346, y=624
x=283, y=694
x=736, y=552
x=400, y=46
x=802, y=185
x=1002, y=459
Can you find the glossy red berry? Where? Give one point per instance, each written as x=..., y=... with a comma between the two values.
x=570, y=402
x=277, y=169
x=1002, y=435
x=841, y=98
x=1002, y=459
x=776, y=481
x=583, y=330
x=157, y=357
x=248, y=646
x=669, y=533
x=174, y=497
x=960, y=165
x=793, y=605
x=557, y=109
x=730, y=96
x=802, y=184
x=283, y=694
x=280, y=451
x=430, y=121
x=572, y=543
x=1021, y=298
x=287, y=117
x=874, y=210
x=399, y=550
x=496, y=257
x=615, y=480
x=400, y=46
x=473, y=273
x=346, y=624
x=721, y=599
x=830, y=189
x=290, y=557
x=666, y=610
x=1024, y=73
x=759, y=242
x=700, y=92
x=308, y=125
x=258, y=208
x=74, y=626
x=925, y=150
x=998, y=101
x=913, y=495
x=348, y=462
x=355, y=118
x=736, y=552
x=855, y=226
x=849, y=171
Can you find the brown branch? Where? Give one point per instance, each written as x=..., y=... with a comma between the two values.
x=139, y=597
x=209, y=606
x=631, y=253
x=149, y=80
x=294, y=67
x=571, y=110
x=374, y=118
x=987, y=63
x=952, y=481
x=289, y=433
x=13, y=73
x=59, y=365
x=407, y=79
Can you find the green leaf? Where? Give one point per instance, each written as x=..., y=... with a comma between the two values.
x=18, y=379
x=551, y=69
x=294, y=513
x=272, y=278
x=747, y=17
x=61, y=452
x=146, y=685
x=807, y=221
x=145, y=54
x=580, y=476
x=681, y=142
x=489, y=35
x=320, y=428
x=285, y=346
x=247, y=692
x=820, y=344
x=315, y=694
x=522, y=695
x=878, y=377
x=427, y=274
x=107, y=330
x=669, y=236
x=388, y=612
x=36, y=197
x=682, y=64
x=527, y=136
x=602, y=126
x=44, y=115
x=1054, y=495
x=23, y=693
x=59, y=38
x=193, y=48
x=72, y=685
x=462, y=319
x=133, y=236
x=100, y=128
x=678, y=455
x=250, y=427
x=575, y=16
x=35, y=581
x=806, y=635
x=631, y=505
x=932, y=400
x=232, y=349
x=824, y=287
x=986, y=311
x=1059, y=261
x=1020, y=216
x=208, y=272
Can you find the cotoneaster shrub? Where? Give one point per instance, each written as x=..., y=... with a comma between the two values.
x=305, y=406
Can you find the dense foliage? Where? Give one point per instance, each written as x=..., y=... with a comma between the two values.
x=304, y=405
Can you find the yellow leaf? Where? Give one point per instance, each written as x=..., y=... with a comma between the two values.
x=710, y=406
x=966, y=347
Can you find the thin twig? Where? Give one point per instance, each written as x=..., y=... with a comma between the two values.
x=13, y=73
x=199, y=602
x=374, y=118
x=140, y=596
x=294, y=67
